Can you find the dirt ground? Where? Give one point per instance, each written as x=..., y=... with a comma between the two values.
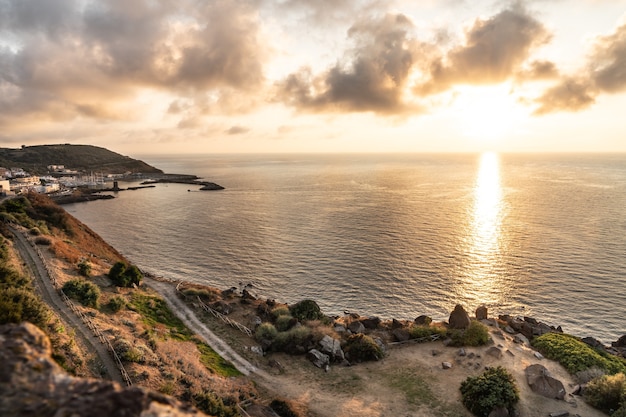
x=409, y=381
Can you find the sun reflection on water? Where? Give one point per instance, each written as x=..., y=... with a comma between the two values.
x=481, y=283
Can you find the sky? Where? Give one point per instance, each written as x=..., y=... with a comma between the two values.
x=221, y=76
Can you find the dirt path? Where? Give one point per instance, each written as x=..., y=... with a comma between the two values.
x=42, y=281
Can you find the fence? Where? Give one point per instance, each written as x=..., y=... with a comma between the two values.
x=80, y=314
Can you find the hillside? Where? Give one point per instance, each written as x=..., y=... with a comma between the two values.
x=35, y=159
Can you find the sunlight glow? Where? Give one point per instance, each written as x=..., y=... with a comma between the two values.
x=488, y=114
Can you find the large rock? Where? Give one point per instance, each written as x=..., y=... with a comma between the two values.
x=319, y=359
x=621, y=342
x=459, y=319
x=481, y=313
x=423, y=320
x=356, y=327
x=542, y=383
x=371, y=322
x=32, y=384
x=332, y=347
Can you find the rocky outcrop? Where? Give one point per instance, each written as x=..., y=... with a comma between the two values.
x=481, y=313
x=318, y=358
x=332, y=347
x=32, y=384
x=542, y=383
x=459, y=319
x=527, y=326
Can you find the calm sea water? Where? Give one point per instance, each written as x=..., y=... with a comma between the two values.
x=394, y=236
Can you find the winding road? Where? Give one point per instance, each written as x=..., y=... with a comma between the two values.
x=43, y=282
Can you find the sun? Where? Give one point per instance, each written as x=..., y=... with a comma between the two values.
x=487, y=113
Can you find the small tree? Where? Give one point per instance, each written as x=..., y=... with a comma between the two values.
x=360, y=348
x=606, y=392
x=306, y=310
x=494, y=388
x=125, y=276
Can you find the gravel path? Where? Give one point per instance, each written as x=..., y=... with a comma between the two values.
x=43, y=283
x=168, y=292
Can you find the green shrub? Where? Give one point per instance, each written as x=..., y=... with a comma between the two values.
x=492, y=389
x=306, y=310
x=124, y=275
x=83, y=291
x=19, y=304
x=133, y=355
x=9, y=277
x=575, y=355
x=266, y=331
x=476, y=334
x=281, y=311
x=42, y=240
x=297, y=340
x=606, y=392
x=213, y=405
x=115, y=304
x=420, y=331
x=285, y=322
x=84, y=268
x=361, y=348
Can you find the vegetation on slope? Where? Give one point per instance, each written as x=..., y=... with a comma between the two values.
x=35, y=159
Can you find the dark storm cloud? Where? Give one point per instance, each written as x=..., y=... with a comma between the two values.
x=494, y=51
x=62, y=60
x=605, y=74
x=372, y=78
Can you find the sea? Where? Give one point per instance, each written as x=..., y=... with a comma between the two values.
x=390, y=235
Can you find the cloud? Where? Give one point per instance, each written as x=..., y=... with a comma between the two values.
x=237, y=130
x=569, y=95
x=372, y=77
x=494, y=50
x=68, y=59
x=538, y=70
x=604, y=73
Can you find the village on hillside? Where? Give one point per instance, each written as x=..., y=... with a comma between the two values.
x=59, y=180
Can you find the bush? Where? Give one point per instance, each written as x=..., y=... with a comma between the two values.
x=84, y=268
x=213, y=405
x=266, y=331
x=360, y=348
x=115, y=304
x=493, y=389
x=306, y=310
x=297, y=340
x=285, y=322
x=18, y=305
x=83, y=291
x=42, y=240
x=606, y=392
x=420, y=331
x=575, y=355
x=9, y=277
x=124, y=275
x=476, y=334
x=281, y=311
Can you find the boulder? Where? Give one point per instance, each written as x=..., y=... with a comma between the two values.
x=593, y=342
x=400, y=335
x=396, y=324
x=356, y=327
x=542, y=383
x=31, y=383
x=446, y=365
x=459, y=319
x=494, y=351
x=481, y=313
x=332, y=347
x=521, y=339
x=621, y=342
x=423, y=320
x=318, y=358
x=371, y=322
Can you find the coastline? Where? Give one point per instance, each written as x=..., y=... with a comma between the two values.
x=364, y=389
